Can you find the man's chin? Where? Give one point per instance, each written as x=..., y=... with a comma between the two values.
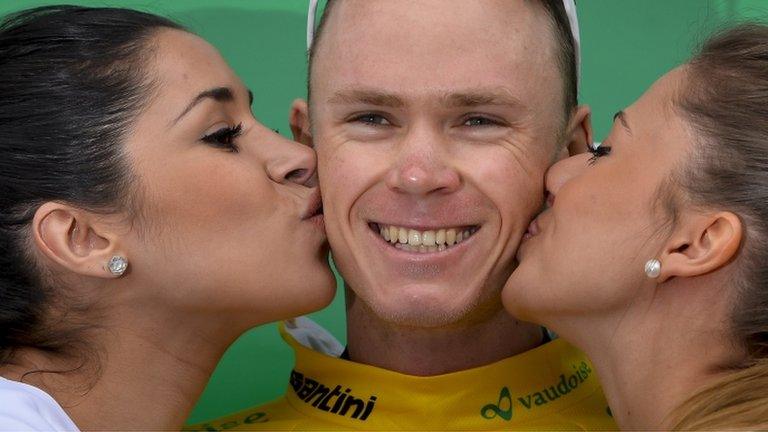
x=412, y=308
x=420, y=318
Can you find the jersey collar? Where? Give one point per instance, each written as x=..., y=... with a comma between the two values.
x=520, y=389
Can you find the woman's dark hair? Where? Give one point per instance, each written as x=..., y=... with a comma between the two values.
x=72, y=81
x=725, y=100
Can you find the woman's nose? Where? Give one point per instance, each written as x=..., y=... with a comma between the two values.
x=562, y=172
x=292, y=162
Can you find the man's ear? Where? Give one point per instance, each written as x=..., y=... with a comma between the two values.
x=579, y=132
x=299, y=120
x=75, y=239
x=702, y=244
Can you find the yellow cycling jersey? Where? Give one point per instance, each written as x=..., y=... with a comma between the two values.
x=552, y=387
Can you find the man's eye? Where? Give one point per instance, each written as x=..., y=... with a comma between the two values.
x=372, y=119
x=480, y=121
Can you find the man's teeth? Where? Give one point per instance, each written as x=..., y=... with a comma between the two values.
x=424, y=241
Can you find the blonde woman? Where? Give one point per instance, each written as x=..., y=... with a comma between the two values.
x=651, y=255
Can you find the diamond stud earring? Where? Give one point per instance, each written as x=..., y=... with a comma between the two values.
x=653, y=268
x=117, y=265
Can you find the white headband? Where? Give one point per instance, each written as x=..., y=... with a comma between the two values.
x=570, y=9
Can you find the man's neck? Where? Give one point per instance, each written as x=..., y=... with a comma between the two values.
x=438, y=350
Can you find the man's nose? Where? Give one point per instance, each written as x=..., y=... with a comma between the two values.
x=423, y=166
x=291, y=162
x=563, y=172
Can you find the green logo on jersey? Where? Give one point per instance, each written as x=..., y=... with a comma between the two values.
x=503, y=408
x=561, y=388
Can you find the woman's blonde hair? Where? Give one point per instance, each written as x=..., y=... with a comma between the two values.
x=737, y=400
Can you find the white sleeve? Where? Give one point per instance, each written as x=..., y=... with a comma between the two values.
x=26, y=424
x=24, y=408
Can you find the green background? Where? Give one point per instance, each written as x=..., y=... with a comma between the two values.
x=626, y=45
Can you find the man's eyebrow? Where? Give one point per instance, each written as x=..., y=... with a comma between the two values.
x=219, y=94
x=468, y=98
x=483, y=97
x=367, y=97
x=622, y=117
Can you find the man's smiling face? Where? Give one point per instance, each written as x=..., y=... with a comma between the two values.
x=434, y=122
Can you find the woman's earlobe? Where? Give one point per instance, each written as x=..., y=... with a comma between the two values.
x=704, y=244
x=72, y=239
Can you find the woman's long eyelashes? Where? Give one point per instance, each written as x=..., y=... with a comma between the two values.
x=224, y=137
x=598, y=152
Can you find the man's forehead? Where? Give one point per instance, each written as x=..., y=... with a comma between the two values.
x=538, y=13
x=365, y=16
x=452, y=78
x=453, y=43
x=406, y=50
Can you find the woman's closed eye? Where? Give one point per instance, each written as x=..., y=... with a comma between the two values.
x=224, y=137
x=597, y=152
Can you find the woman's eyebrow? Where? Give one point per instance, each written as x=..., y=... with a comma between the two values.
x=219, y=94
x=621, y=116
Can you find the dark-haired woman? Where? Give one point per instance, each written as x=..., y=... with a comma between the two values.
x=652, y=255
x=146, y=220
